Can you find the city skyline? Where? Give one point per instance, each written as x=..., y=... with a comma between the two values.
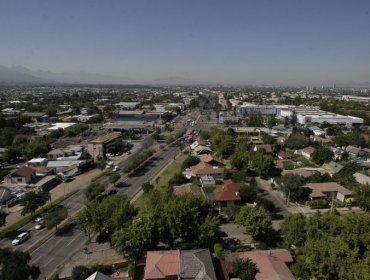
x=202, y=41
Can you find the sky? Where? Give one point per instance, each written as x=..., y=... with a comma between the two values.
x=233, y=41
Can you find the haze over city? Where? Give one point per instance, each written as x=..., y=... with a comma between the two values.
x=187, y=42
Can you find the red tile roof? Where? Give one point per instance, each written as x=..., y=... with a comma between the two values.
x=161, y=264
x=23, y=172
x=210, y=158
x=229, y=191
x=271, y=263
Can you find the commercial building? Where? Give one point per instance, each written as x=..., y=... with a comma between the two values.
x=108, y=143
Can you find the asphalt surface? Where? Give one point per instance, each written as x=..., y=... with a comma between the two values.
x=60, y=248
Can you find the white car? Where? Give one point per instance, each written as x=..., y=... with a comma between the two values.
x=40, y=224
x=21, y=238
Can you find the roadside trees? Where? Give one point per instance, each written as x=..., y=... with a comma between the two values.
x=15, y=265
x=292, y=186
x=55, y=216
x=31, y=201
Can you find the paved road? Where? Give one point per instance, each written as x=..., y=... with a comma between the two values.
x=59, y=249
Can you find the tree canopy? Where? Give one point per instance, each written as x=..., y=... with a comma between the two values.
x=256, y=221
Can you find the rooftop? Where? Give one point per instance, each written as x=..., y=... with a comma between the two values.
x=106, y=138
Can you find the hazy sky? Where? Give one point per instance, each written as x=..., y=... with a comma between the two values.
x=205, y=40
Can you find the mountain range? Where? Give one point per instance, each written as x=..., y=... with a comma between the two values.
x=21, y=75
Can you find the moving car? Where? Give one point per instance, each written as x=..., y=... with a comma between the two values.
x=21, y=238
x=40, y=224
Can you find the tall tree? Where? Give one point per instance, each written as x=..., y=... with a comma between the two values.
x=256, y=221
x=56, y=216
x=15, y=265
x=245, y=269
x=31, y=201
x=322, y=154
x=292, y=186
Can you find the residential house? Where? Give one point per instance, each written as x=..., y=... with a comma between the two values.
x=98, y=276
x=354, y=152
x=194, y=145
x=162, y=265
x=284, y=155
x=226, y=194
x=187, y=188
x=107, y=143
x=207, y=181
x=284, y=164
x=37, y=162
x=202, y=150
x=178, y=265
x=300, y=171
x=265, y=148
x=332, y=167
x=20, y=177
x=203, y=168
x=5, y=195
x=212, y=160
x=361, y=178
x=306, y=152
x=328, y=190
x=271, y=264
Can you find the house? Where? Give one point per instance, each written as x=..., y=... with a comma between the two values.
x=328, y=190
x=98, y=276
x=300, y=171
x=284, y=155
x=37, y=162
x=207, y=181
x=176, y=264
x=284, y=164
x=197, y=264
x=186, y=188
x=202, y=150
x=354, y=152
x=332, y=167
x=265, y=148
x=5, y=195
x=107, y=143
x=194, y=145
x=162, y=265
x=226, y=194
x=306, y=152
x=22, y=176
x=211, y=160
x=271, y=264
x=205, y=169
x=361, y=178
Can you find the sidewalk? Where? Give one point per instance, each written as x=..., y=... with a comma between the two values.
x=80, y=182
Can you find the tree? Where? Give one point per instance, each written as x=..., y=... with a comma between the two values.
x=114, y=178
x=31, y=201
x=248, y=193
x=2, y=218
x=262, y=164
x=245, y=269
x=362, y=196
x=147, y=187
x=136, y=239
x=256, y=221
x=177, y=179
x=296, y=141
x=15, y=265
x=81, y=272
x=190, y=161
x=94, y=190
x=322, y=154
x=292, y=186
x=101, y=164
x=12, y=153
x=294, y=229
x=55, y=216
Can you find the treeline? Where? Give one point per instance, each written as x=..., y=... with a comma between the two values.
x=329, y=246
x=135, y=161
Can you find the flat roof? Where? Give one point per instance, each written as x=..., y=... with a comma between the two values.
x=62, y=125
x=106, y=138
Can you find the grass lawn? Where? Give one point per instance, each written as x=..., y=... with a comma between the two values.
x=160, y=182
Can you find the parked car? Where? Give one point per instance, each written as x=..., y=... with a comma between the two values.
x=21, y=238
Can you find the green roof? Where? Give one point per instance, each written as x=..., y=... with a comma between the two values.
x=106, y=138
